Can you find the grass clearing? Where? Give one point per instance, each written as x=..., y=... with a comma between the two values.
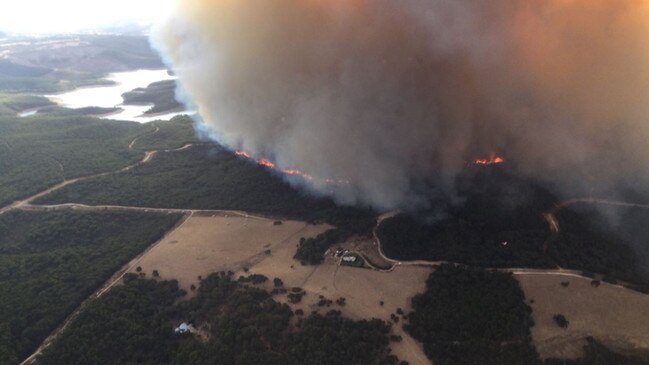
x=206, y=244
x=614, y=316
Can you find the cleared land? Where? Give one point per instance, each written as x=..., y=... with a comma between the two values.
x=615, y=316
x=205, y=244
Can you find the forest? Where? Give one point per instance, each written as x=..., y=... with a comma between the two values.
x=207, y=177
x=171, y=134
x=12, y=103
x=161, y=94
x=15, y=77
x=38, y=152
x=472, y=316
x=238, y=325
x=311, y=250
x=478, y=316
x=51, y=261
x=501, y=224
x=497, y=224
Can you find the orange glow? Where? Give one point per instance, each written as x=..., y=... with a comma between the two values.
x=492, y=160
x=271, y=165
x=242, y=154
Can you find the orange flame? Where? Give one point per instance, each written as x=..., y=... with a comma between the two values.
x=492, y=160
x=271, y=165
x=242, y=154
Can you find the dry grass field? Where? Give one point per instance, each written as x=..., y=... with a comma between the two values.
x=615, y=316
x=205, y=244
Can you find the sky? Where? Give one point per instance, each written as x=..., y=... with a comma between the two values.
x=61, y=16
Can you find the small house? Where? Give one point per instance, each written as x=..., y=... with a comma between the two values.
x=183, y=328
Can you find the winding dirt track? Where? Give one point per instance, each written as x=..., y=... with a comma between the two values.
x=130, y=146
x=592, y=200
x=26, y=203
x=550, y=216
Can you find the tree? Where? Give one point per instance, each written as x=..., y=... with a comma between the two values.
x=278, y=282
x=561, y=320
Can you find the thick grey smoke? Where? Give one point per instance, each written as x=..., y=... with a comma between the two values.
x=391, y=95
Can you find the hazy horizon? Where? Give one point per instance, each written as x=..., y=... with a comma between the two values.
x=43, y=17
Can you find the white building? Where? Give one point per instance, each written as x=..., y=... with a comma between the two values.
x=183, y=328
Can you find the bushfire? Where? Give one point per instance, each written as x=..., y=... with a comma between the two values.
x=492, y=160
x=271, y=165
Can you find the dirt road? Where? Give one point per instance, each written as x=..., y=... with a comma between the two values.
x=26, y=202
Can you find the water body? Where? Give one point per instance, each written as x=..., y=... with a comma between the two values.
x=111, y=96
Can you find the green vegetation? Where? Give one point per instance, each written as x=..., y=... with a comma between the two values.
x=161, y=94
x=254, y=279
x=127, y=325
x=18, y=78
x=11, y=104
x=206, y=177
x=472, y=316
x=15, y=77
x=8, y=68
x=245, y=326
x=311, y=250
x=38, y=152
x=358, y=260
x=51, y=261
x=210, y=177
x=560, y=320
x=588, y=242
x=55, y=111
x=174, y=133
x=501, y=225
x=60, y=63
x=93, y=110
x=119, y=51
x=405, y=238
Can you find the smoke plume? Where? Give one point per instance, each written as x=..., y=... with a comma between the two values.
x=392, y=96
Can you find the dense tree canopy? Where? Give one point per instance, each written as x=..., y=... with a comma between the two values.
x=472, y=316
x=207, y=177
x=51, y=261
x=239, y=325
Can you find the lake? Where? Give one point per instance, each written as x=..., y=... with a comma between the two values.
x=111, y=96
